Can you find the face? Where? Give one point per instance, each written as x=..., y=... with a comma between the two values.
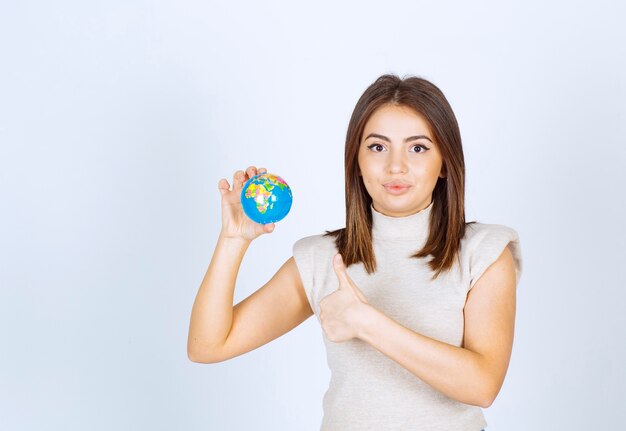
x=399, y=161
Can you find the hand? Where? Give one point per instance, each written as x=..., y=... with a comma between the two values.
x=235, y=223
x=340, y=311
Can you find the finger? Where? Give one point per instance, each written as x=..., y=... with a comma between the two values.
x=251, y=171
x=360, y=294
x=239, y=178
x=223, y=186
x=340, y=270
x=345, y=281
x=262, y=170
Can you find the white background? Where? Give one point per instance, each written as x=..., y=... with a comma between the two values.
x=117, y=119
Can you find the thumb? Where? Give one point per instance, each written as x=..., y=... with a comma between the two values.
x=269, y=228
x=340, y=270
x=345, y=281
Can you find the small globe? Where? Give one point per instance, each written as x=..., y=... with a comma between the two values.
x=266, y=198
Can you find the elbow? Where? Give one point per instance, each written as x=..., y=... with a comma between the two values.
x=195, y=357
x=489, y=383
x=486, y=402
x=488, y=396
x=202, y=354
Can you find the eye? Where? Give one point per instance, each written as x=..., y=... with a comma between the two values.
x=422, y=148
x=375, y=145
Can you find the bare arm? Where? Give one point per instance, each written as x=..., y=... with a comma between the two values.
x=273, y=310
x=218, y=331
x=474, y=373
x=212, y=312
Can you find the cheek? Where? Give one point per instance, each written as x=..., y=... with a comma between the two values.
x=369, y=173
x=423, y=170
x=366, y=167
x=368, y=178
x=433, y=168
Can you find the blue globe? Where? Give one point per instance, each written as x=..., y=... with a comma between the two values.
x=266, y=198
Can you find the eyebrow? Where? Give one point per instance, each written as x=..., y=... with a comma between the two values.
x=409, y=139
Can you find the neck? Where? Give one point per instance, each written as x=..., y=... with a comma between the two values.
x=414, y=227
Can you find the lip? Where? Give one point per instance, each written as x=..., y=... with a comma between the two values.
x=397, y=189
x=397, y=183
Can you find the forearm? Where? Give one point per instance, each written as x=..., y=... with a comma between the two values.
x=456, y=372
x=212, y=312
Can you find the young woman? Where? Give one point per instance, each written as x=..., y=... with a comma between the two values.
x=417, y=307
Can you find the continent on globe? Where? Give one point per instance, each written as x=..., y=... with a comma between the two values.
x=266, y=198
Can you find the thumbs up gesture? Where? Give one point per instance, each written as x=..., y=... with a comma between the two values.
x=341, y=311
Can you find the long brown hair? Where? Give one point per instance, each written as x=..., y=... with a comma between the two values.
x=447, y=218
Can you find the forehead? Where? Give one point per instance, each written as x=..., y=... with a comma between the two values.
x=397, y=121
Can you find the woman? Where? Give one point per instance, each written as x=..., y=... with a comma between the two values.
x=417, y=306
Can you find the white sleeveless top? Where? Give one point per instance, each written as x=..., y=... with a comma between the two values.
x=367, y=389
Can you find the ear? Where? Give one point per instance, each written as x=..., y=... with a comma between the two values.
x=442, y=173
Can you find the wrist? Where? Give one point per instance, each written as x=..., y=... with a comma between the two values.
x=365, y=319
x=231, y=241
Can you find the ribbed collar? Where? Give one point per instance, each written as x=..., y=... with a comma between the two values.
x=414, y=227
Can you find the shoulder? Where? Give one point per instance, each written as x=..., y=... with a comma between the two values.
x=312, y=246
x=481, y=234
x=483, y=243
x=312, y=255
x=313, y=241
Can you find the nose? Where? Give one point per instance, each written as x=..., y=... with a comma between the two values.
x=397, y=162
